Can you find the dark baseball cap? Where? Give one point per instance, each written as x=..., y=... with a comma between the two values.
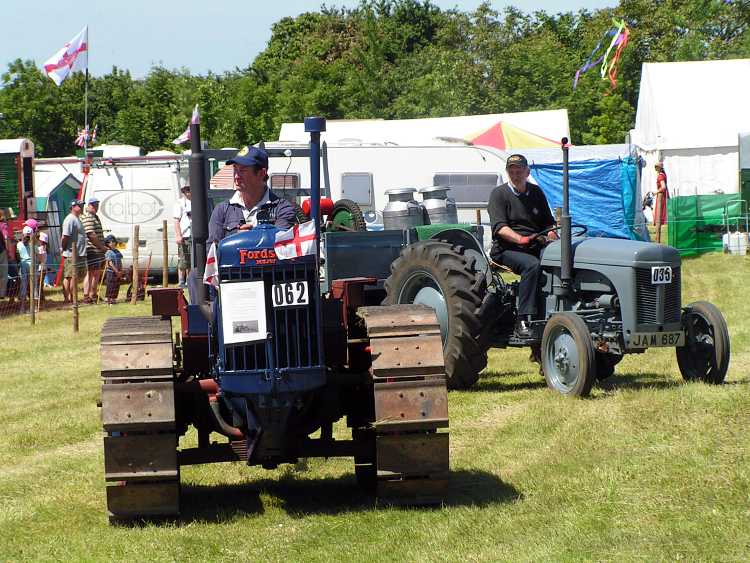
x=516, y=160
x=250, y=156
x=78, y=202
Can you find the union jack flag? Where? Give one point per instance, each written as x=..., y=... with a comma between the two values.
x=84, y=138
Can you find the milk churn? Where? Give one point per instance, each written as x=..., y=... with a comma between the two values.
x=402, y=212
x=438, y=206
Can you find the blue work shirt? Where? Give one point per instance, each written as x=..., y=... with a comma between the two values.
x=227, y=217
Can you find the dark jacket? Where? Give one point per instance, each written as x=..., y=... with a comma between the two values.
x=526, y=214
x=227, y=217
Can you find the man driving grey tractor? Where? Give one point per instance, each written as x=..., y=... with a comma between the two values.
x=521, y=223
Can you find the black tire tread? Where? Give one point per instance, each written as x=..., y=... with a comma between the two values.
x=721, y=346
x=463, y=353
x=358, y=218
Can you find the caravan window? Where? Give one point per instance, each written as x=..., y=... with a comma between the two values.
x=357, y=186
x=469, y=190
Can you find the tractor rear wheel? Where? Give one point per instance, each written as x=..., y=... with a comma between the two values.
x=138, y=417
x=705, y=355
x=568, y=357
x=347, y=216
x=441, y=276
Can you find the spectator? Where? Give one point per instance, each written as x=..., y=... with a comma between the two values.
x=32, y=223
x=183, y=234
x=5, y=251
x=24, y=266
x=95, y=250
x=73, y=234
x=662, y=195
x=113, y=272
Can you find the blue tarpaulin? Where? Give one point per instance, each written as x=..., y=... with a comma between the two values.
x=602, y=194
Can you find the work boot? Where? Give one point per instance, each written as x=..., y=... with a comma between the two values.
x=523, y=327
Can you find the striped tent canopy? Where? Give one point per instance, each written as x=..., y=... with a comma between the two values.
x=504, y=136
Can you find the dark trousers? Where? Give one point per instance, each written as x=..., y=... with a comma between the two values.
x=529, y=268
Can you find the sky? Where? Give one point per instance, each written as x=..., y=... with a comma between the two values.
x=215, y=35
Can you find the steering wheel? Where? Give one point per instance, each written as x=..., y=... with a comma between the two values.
x=582, y=230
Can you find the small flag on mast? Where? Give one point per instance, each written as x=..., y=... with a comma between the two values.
x=74, y=56
x=185, y=137
x=211, y=273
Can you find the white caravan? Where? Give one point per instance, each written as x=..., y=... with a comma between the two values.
x=139, y=191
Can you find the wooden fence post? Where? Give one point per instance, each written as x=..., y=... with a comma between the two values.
x=32, y=279
x=134, y=251
x=165, y=252
x=74, y=280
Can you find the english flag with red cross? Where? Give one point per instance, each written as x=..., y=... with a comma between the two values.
x=72, y=57
x=211, y=273
x=185, y=137
x=297, y=241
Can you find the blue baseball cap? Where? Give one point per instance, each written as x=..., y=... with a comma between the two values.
x=250, y=156
x=93, y=200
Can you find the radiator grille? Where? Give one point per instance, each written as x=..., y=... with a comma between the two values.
x=657, y=304
x=294, y=341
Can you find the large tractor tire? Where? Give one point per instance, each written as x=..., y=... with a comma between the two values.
x=705, y=356
x=138, y=418
x=441, y=276
x=347, y=216
x=568, y=356
x=403, y=450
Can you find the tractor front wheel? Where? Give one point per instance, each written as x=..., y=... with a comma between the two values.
x=568, y=356
x=705, y=355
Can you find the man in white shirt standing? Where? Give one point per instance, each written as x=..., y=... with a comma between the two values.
x=183, y=234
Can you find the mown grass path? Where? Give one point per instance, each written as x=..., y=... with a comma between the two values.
x=646, y=469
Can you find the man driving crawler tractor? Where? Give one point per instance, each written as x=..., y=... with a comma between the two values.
x=520, y=216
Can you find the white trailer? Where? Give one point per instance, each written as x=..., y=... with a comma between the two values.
x=139, y=191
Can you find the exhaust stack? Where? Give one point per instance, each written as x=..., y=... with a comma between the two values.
x=199, y=212
x=566, y=240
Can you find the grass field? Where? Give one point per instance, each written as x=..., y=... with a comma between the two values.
x=646, y=469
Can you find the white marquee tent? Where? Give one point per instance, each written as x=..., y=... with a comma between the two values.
x=690, y=115
x=432, y=131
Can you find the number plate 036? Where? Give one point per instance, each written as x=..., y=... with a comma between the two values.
x=290, y=294
x=661, y=274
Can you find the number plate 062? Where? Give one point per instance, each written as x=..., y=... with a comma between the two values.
x=661, y=274
x=290, y=294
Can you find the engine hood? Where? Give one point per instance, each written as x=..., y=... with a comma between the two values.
x=248, y=247
x=613, y=252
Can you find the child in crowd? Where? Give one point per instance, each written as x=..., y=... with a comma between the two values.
x=113, y=271
x=24, y=266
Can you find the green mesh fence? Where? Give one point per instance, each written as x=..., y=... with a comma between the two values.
x=8, y=182
x=696, y=223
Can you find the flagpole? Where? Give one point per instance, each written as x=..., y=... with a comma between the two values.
x=86, y=113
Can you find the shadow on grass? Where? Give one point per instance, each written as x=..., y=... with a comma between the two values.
x=494, y=381
x=301, y=497
x=639, y=381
